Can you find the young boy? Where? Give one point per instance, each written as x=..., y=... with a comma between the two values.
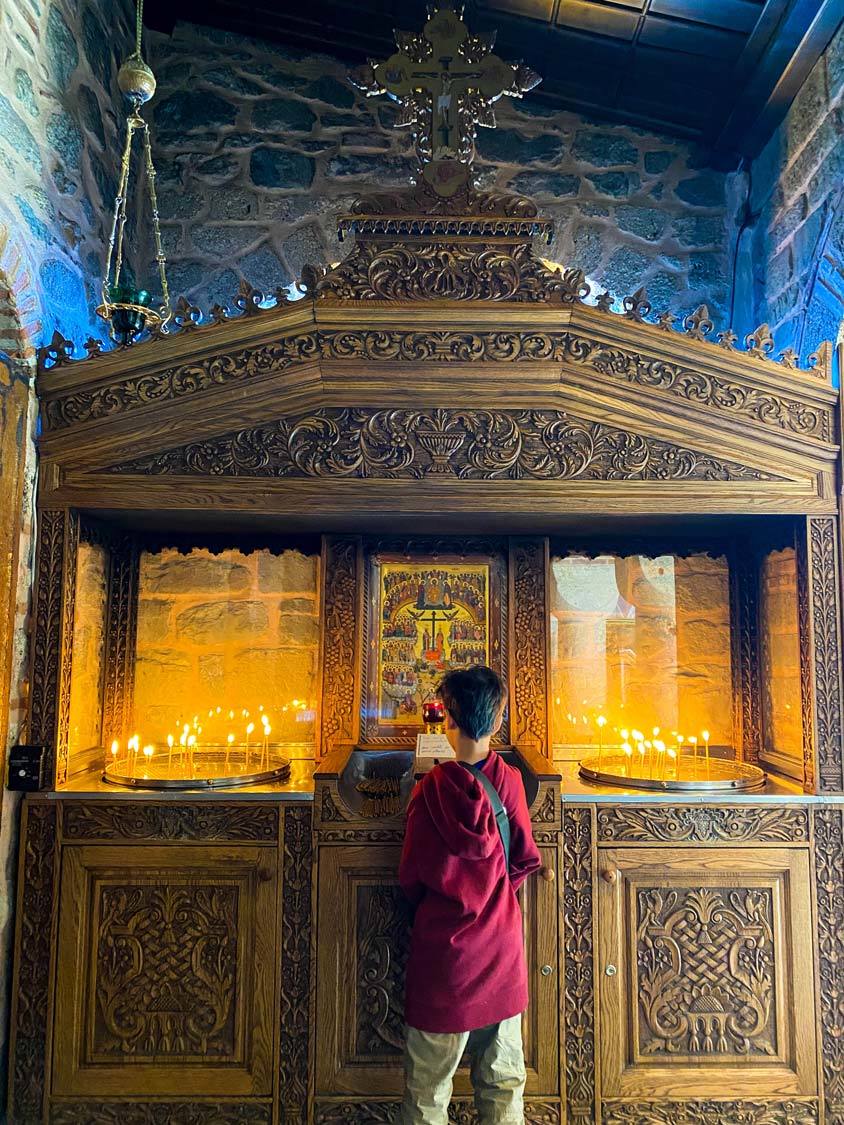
x=466, y=975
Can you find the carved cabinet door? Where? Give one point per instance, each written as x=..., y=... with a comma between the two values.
x=704, y=968
x=166, y=971
x=362, y=944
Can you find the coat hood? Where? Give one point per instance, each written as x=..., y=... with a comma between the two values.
x=461, y=811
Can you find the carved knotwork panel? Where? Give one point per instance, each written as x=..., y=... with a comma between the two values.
x=297, y=870
x=161, y=1113
x=389, y=1113
x=383, y=944
x=821, y=546
x=340, y=625
x=705, y=971
x=529, y=661
x=578, y=991
x=740, y=824
x=463, y=444
x=829, y=889
x=166, y=971
x=711, y=1112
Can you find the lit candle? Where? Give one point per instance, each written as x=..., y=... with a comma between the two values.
x=115, y=749
x=628, y=751
x=249, y=728
x=229, y=744
x=640, y=746
x=191, y=745
x=267, y=731
x=170, y=741
x=649, y=747
x=675, y=761
x=134, y=745
x=693, y=744
x=659, y=746
x=680, y=740
x=149, y=750
x=602, y=722
x=705, y=737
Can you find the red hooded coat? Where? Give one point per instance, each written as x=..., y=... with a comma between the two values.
x=467, y=963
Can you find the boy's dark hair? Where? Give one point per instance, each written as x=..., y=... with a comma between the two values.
x=473, y=697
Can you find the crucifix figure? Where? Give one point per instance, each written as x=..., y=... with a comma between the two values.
x=445, y=81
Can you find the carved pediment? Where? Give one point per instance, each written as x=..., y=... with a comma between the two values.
x=471, y=445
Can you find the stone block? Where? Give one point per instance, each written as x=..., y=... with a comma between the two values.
x=808, y=108
x=184, y=277
x=264, y=270
x=625, y=272
x=545, y=183
x=62, y=51
x=153, y=621
x=298, y=605
x=707, y=189
x=183, y=204
x=24, y=93
x=705, y=269
x=222, y=289
x=510, y=147
x=346, y=120
x=280, y=168
x=188, y=110
x=698, y=230
x=304, y=247
x=834, y=59
x=367, y=139
x=298, y=629
x=273, y=75
x=375, y=168
x=288, y=573
x=65, y=136
x=603, y=149
x=222, y=622
x=224, y=241
x=231, y=203
x=170, y=573
x=779, y=271
x=657, y=162
x=89, y=109
x=282, y=115
x=812, y=158
x=619, y=185
x=645, y=222
x=17, y=136
x=331, y=91
x=99, y=45
x=275, y=677
x=218, y=169
x=161, y=673
x=588, y=248
x=663, y=288
x=229, y=79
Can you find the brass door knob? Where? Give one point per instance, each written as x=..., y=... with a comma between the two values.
x=609, y=875
x=548, y=874
x=546, y=970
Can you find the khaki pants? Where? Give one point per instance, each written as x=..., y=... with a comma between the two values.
x=498, y=1073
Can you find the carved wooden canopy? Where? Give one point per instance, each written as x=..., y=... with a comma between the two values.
x=441, y=367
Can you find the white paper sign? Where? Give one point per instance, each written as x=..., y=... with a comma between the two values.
x=431, y=748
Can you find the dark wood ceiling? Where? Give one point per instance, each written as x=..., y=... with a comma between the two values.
x=722, y=72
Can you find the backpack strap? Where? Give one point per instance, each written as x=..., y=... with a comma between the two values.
x=502, y=821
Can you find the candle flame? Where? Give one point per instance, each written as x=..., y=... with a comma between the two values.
x=170, y=741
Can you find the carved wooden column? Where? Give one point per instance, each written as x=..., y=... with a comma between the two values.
x=747, y=654
x=529, y=624
x=341, y=617
x=52, y=639
x=120, y=637
x=819, y=597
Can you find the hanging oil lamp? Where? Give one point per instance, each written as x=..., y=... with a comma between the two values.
x=125, y=305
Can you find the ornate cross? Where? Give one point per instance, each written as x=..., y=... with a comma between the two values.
x=445, y=81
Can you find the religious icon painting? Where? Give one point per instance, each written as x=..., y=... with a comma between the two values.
x=425, y=616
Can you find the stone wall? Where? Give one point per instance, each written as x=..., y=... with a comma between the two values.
x=259, y=148
x=643, y=642
x=793, y=269
x=235, y=631
x=58, y=132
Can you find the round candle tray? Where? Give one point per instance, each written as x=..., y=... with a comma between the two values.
x=211, y=769
x=695, y=775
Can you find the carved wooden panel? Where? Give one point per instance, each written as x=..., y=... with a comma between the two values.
x=389, y=1113
x=54, y=594
x=829, y=891
x=747, y=695
x=161, y=1113
x=208, y=822
x=711, y=1112
x=340, y=639
x=819, y=601
x=118, y=688
x=297, y=864
x=578, y=947
x=528, y=643
x=703, y=824
x=362, y=931
x=363, y=443
x=165, y=979
x=710, y=983
x=37, y=891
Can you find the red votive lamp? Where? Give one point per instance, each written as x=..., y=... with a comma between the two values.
x=433, y=713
